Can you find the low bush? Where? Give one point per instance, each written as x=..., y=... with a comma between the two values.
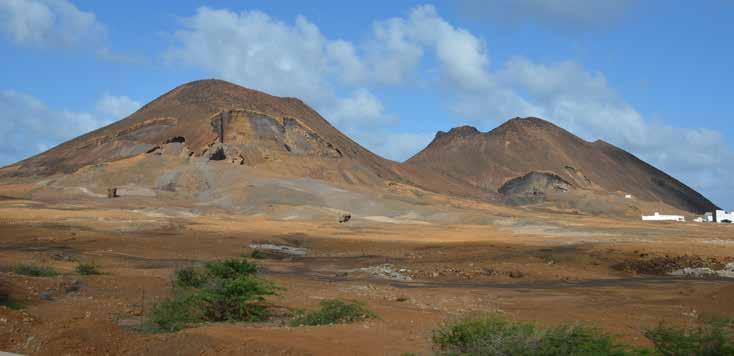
x=34, y=270
x=218, y=291
x=87, y=268
x=714, y=337
x=239, y=299
x=189, y=277
x=494, y=335
x=334, y=311
x=177, y=312
x=230, y=269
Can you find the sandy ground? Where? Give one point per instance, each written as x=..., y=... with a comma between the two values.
x=413, y=275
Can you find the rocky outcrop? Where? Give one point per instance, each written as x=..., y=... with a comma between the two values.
x=533, y=187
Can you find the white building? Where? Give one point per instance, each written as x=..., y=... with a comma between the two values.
x=658, y=217
x=698, y=219
x=721, y=216
x=708, y=217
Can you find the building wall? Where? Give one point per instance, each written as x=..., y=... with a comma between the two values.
x=721, y=215
x=658, y=217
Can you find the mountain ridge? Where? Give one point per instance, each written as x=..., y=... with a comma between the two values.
x=214, y=120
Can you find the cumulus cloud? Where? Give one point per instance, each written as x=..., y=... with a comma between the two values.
x=48, y=23
x=30, y=127
x=258, y=51
x=565, y=15
x=397, y=146
x=255, y=50
x=116, y=107
x=361, y=109
x=336, y=76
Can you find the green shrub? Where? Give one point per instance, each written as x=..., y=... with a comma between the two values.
x=334, y=311
x=87, y=268
x=34, y=270
x=189, y=277
x=230, y=269
x=494, y=335
x=714, y=337
x=219, y=291
x=239, y=299
x=175, y=313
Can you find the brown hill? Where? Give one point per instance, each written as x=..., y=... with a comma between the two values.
x=217, y=143
x=217, y=120
x=523, y=145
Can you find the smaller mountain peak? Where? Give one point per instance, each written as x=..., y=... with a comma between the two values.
x=522, y=124
x=461, y=131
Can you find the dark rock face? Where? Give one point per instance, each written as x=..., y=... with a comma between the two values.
x=533, y=188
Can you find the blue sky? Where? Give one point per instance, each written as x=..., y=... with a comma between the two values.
x=652, y=77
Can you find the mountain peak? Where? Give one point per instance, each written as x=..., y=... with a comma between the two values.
x=461, y=131
x=527, y=122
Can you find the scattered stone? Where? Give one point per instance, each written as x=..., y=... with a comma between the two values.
x=386, y=271
x=705, y=272
x=662, y=265
x=289, y=250
x=516, y=274
x=345, y=218
x=46, y=296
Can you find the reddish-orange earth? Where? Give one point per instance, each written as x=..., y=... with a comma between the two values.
x=526, y=220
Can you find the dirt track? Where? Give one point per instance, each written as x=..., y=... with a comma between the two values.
x=554, y=271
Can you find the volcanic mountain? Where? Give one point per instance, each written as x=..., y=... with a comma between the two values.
x=221, y=121
x=531, y=157
x=211, y=142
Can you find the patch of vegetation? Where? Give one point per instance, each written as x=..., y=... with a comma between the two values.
x=225, y=290
x=87, y=268
x=258, y=255
x=189, y=277
x=714, y=337
x=230, y=269
x=494, y=335
x=334, y=311
x=34, y=270
x=176, y=313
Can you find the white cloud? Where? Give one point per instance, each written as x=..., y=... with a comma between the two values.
x=565, y=15
x=361, y=109
x=48, y=23
x=30, y=127
x=256, y=50
x=116, y=107
x=397, y=146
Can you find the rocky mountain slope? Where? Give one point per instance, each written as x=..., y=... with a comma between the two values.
x=214, y=142
x=506, y=155
x=217, y=120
